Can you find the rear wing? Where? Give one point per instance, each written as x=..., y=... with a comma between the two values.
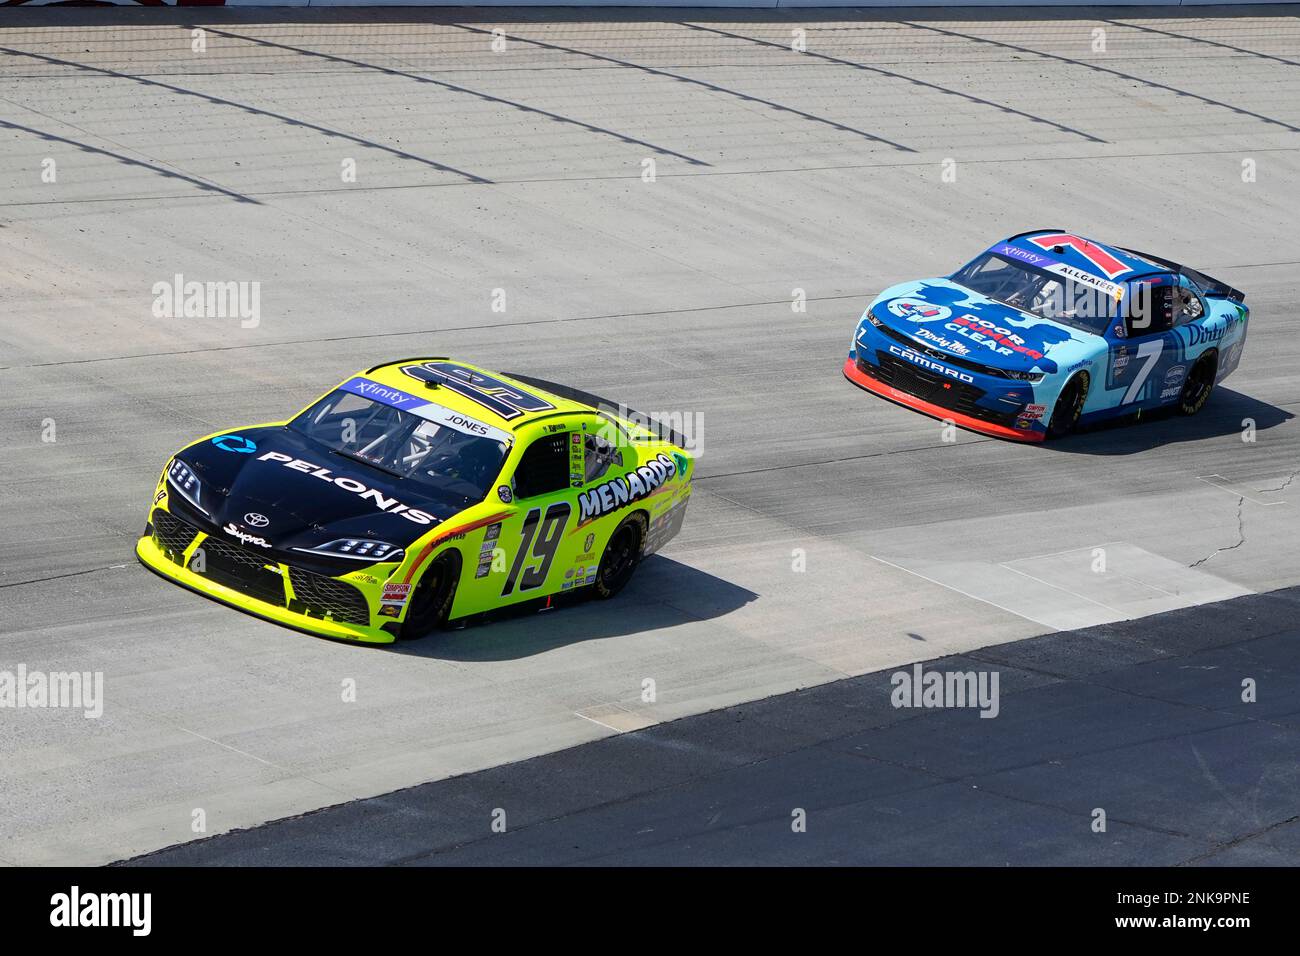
x=1207, y=284
x=605, y=406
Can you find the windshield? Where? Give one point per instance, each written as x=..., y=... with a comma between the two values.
x=1087, y=304
x=442, y=460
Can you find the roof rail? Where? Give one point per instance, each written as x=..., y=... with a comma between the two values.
x=541, y=418
x=1021, y=235
x=413, y=358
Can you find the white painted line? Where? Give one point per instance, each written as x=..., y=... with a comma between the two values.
x=973, y=597
x=617, y=718
x=1056, y=587
x=1057, y=554
x=236, y=750
x=597, y=722
x=1233, y=488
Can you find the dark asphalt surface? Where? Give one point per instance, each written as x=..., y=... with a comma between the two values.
x=1142, y=719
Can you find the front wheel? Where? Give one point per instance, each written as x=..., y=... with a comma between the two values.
x=1069, y=406
x=431, y=599
x=621, y=557
x=1199, y=384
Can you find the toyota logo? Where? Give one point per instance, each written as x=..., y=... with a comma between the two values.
x=255, y=520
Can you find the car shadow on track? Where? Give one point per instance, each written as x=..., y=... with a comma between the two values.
x=1226, y=413
x=663, y=593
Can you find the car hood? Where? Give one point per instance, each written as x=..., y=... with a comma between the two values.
x=947, y=317
x=306, y=494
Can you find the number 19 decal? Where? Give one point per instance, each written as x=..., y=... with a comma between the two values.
x=542, y=544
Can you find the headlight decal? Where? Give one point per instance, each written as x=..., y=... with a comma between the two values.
x=181, y=477
x=358, y=549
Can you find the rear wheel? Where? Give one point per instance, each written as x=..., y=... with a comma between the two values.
x=1199, y=384
x=431, y=600
x=621, y=556
x=1068, y=407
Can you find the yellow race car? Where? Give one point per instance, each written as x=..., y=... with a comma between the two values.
x=417, y=492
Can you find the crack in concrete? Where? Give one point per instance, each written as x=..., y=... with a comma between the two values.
x=1283, y=486
x=1241, y=534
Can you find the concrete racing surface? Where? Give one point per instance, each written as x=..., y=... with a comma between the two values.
x=1143, y=720
x=636, y=204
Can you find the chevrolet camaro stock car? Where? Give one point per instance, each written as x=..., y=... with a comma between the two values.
x=1047, y=331
x=415, y=493
x=428, y=490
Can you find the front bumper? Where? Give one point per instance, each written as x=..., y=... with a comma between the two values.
x=273, y=596
x=863, y=379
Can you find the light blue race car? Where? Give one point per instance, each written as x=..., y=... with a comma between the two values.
x=1047, y=331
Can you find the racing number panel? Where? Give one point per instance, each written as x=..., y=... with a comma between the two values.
x=539, y=544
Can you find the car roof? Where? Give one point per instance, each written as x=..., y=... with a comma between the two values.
x=476, y=400
x=1099, y=259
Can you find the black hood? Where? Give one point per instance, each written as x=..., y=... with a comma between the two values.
x=276, y=484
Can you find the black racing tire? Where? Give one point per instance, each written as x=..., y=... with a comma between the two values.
x=1199, y=384
x=1068, y=407
x=622, y=555
x=432, y=597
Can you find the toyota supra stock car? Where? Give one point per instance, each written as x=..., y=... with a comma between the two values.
x=1047, y=331
x=415, y=493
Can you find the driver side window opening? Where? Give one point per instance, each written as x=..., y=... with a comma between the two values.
x=544, y=467
x=1149, y=309
x=1188, y=304
x=598, y=456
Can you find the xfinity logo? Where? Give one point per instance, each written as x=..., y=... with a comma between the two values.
x=927, y=363
x=380, y=501
x=255, y=520
x=133, y=910
x=244, y=537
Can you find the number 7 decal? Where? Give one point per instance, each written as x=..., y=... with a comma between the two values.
x=1095, y=254
x=1150, y=351
x=542, y=545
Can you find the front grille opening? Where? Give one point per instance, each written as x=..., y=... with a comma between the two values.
x=930, y=387
x=259, y=576
x=240, y=570
x=172, y=535
x=323, y=596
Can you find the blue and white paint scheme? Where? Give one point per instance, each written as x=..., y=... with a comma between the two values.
x=1047, y=330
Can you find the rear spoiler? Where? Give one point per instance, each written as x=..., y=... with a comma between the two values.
x=602, y=405
x=1207, y=284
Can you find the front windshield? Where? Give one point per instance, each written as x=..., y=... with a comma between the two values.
x=1049, y=295
x=442, y=460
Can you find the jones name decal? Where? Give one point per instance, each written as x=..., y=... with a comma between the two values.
x=617, y=492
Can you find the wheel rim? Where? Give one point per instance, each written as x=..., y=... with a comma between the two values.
x=1197, y=386
x=428, y=599
x=1071, y=408
x=618, y=557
